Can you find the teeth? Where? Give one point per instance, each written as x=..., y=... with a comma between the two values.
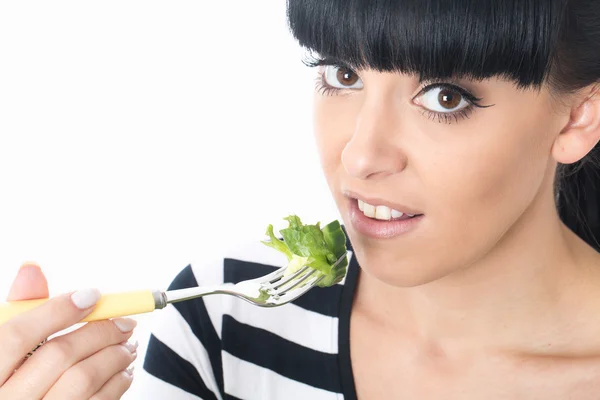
x=369, y=210
x=383, y=212
x=396, y=214
x=379, y=212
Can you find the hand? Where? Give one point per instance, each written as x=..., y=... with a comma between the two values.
x=86, y=364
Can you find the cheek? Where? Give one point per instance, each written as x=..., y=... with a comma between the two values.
x=491, y=180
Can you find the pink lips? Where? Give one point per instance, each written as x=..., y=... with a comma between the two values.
x=382, y=229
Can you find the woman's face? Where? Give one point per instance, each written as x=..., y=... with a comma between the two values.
x=468, y=174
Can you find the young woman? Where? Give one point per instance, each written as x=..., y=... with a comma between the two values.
x=449, y=131
x=459, y=139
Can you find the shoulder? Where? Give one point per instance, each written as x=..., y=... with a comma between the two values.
x=243, y=260
x=186, y=338
x=242, y=340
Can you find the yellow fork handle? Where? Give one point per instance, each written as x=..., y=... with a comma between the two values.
x=109, y=306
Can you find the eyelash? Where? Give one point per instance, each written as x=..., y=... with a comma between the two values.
x=324, y=88
x=327, y=90
x=448, y=117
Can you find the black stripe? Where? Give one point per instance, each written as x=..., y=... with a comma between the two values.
x=230, y=397
x=319, y=300
x=345, y=363
x=168, y=366
x=195, y=314
x=282, y=356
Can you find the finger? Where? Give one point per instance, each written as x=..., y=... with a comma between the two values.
x=30, y=283
x=116, y=387
x=22, y=333
x=49, y=362
x=87, y=377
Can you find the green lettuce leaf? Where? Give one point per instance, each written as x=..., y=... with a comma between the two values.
x=312, y=246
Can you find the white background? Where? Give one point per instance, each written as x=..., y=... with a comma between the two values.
x=136, y=136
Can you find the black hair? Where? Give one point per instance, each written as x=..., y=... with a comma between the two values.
x=528, y=42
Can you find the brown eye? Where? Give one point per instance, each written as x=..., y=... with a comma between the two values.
x=346, y=77
x=341, y=78
x=442, y=99
x=449, y=99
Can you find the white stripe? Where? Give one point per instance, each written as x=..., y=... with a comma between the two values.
x=248, y=381
x=172, y=329
x=147, y=386
x=306, y=328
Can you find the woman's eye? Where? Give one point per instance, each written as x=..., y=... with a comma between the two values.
x=341, y=78
x=443, y=100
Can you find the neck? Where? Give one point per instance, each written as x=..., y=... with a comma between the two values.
x=529, y=284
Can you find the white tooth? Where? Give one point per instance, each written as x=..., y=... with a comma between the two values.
x=369, y=210
x=396, y=214
x=383, y=213
x=361, y=205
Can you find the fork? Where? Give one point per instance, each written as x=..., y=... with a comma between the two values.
x=272, y=290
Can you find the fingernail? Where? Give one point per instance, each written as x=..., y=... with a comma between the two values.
x=29, y=269
x=30, y=264
x=129, y=371
x=131, y=347
x=125, y=325
x=84, y=299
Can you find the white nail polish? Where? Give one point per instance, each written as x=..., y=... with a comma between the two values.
x=131, y=347
x=84, y=299
x=125, y=325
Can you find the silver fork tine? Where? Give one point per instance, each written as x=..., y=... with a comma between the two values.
x=294, y=284
x=294, y=294
x=274, y=284
x=269, y=278
x=272, y=277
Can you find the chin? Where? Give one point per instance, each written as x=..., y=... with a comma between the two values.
x=398, y=270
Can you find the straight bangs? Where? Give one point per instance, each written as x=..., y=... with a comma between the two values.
x=434, y=39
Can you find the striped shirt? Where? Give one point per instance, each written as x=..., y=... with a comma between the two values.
x=221, y=347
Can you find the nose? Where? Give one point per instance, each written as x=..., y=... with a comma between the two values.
x=373, y=151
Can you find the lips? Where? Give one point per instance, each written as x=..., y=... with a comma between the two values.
x=381, y=228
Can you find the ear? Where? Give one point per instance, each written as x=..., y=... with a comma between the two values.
x=582, y=132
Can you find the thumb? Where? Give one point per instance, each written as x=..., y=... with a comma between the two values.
x=30, y=283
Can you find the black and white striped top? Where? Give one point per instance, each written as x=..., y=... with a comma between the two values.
x=221, y=347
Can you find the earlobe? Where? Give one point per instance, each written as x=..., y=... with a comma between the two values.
x=581, y=133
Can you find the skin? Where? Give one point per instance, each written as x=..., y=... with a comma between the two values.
x=491, y=296
x=88, y=363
